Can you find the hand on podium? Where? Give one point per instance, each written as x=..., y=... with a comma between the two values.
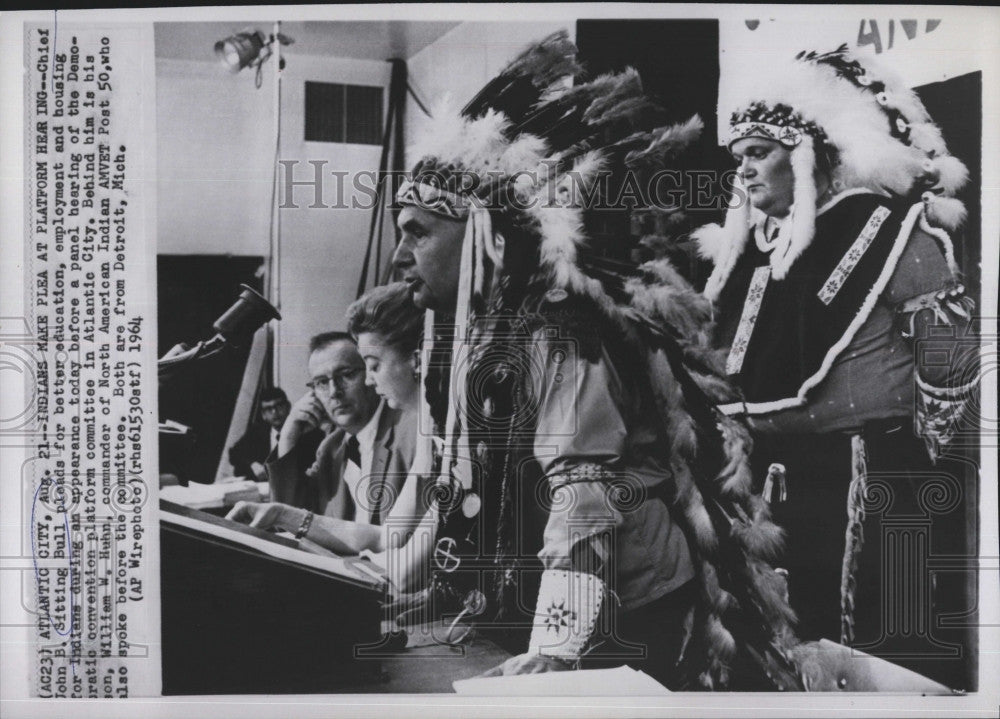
x=263, y=515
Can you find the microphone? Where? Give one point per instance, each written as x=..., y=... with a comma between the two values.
x=236, y=326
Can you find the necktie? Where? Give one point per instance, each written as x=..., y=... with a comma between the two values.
x=377, y=509
x=353, y=452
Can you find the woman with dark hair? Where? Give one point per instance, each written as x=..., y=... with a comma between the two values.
x=387, y=327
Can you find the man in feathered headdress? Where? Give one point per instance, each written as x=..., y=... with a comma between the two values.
x=593, y=502
x=833, y=258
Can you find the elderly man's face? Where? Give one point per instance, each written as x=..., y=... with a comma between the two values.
x=766, y=169
x=428, y=257
x=337, y=375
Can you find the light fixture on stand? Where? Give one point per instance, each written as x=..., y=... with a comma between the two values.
x=250, y=48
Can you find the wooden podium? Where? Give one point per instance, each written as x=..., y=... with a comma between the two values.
x=246, y=612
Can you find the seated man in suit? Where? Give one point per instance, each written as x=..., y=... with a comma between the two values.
x=358, y=469
x=249, y=452
x=308, y=423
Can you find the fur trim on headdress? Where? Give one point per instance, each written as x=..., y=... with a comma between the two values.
x=853, y=118
x=869, y=123
x=728, y=241
x=710, y=242
x=945, y=213
x=797, y=234
x=951, y=172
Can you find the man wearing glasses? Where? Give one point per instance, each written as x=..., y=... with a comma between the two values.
x=358, y=451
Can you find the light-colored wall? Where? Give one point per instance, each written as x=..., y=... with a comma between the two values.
x=215, y=156
x=216, y=151
x=321, y=248
x=215, y=143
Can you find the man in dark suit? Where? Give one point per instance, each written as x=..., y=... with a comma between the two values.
x=249, y=452
x=357, y=472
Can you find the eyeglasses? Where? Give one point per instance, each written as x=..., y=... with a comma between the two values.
x=342, y=379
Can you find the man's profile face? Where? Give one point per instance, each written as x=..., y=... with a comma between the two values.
x=766, y=169
x=337, y=373
x=275, y=411
x=428, y=257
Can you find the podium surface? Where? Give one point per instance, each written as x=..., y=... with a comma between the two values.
x=245, y=611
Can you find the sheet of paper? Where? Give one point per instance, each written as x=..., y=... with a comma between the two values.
x=201, y=496
x=622, y=681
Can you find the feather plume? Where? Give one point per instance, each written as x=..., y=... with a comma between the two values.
x=721, y=639
x=627, y=109
x=623, y=87
x=547, y=61
x=762, y=540
x=666, y=142
x=580, y=94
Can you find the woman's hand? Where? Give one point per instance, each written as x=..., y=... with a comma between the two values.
x=263, y=515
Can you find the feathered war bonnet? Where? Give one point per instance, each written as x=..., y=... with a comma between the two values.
x=531, y=145
x=866, y=127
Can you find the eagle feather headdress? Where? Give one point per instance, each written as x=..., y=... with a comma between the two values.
x=529, y=147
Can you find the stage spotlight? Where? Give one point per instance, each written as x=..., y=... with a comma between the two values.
x=250, y=48
x=242, y=50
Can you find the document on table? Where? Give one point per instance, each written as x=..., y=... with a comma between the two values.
x=621, y=681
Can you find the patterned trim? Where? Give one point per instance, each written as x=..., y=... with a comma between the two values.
x=565, y=614
x=755, y=408
x=433, y=199
x=586, y=472
x=723, y=267
x=751, y=308
x=778, y=122
x=850, y=260
x=787, y=135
